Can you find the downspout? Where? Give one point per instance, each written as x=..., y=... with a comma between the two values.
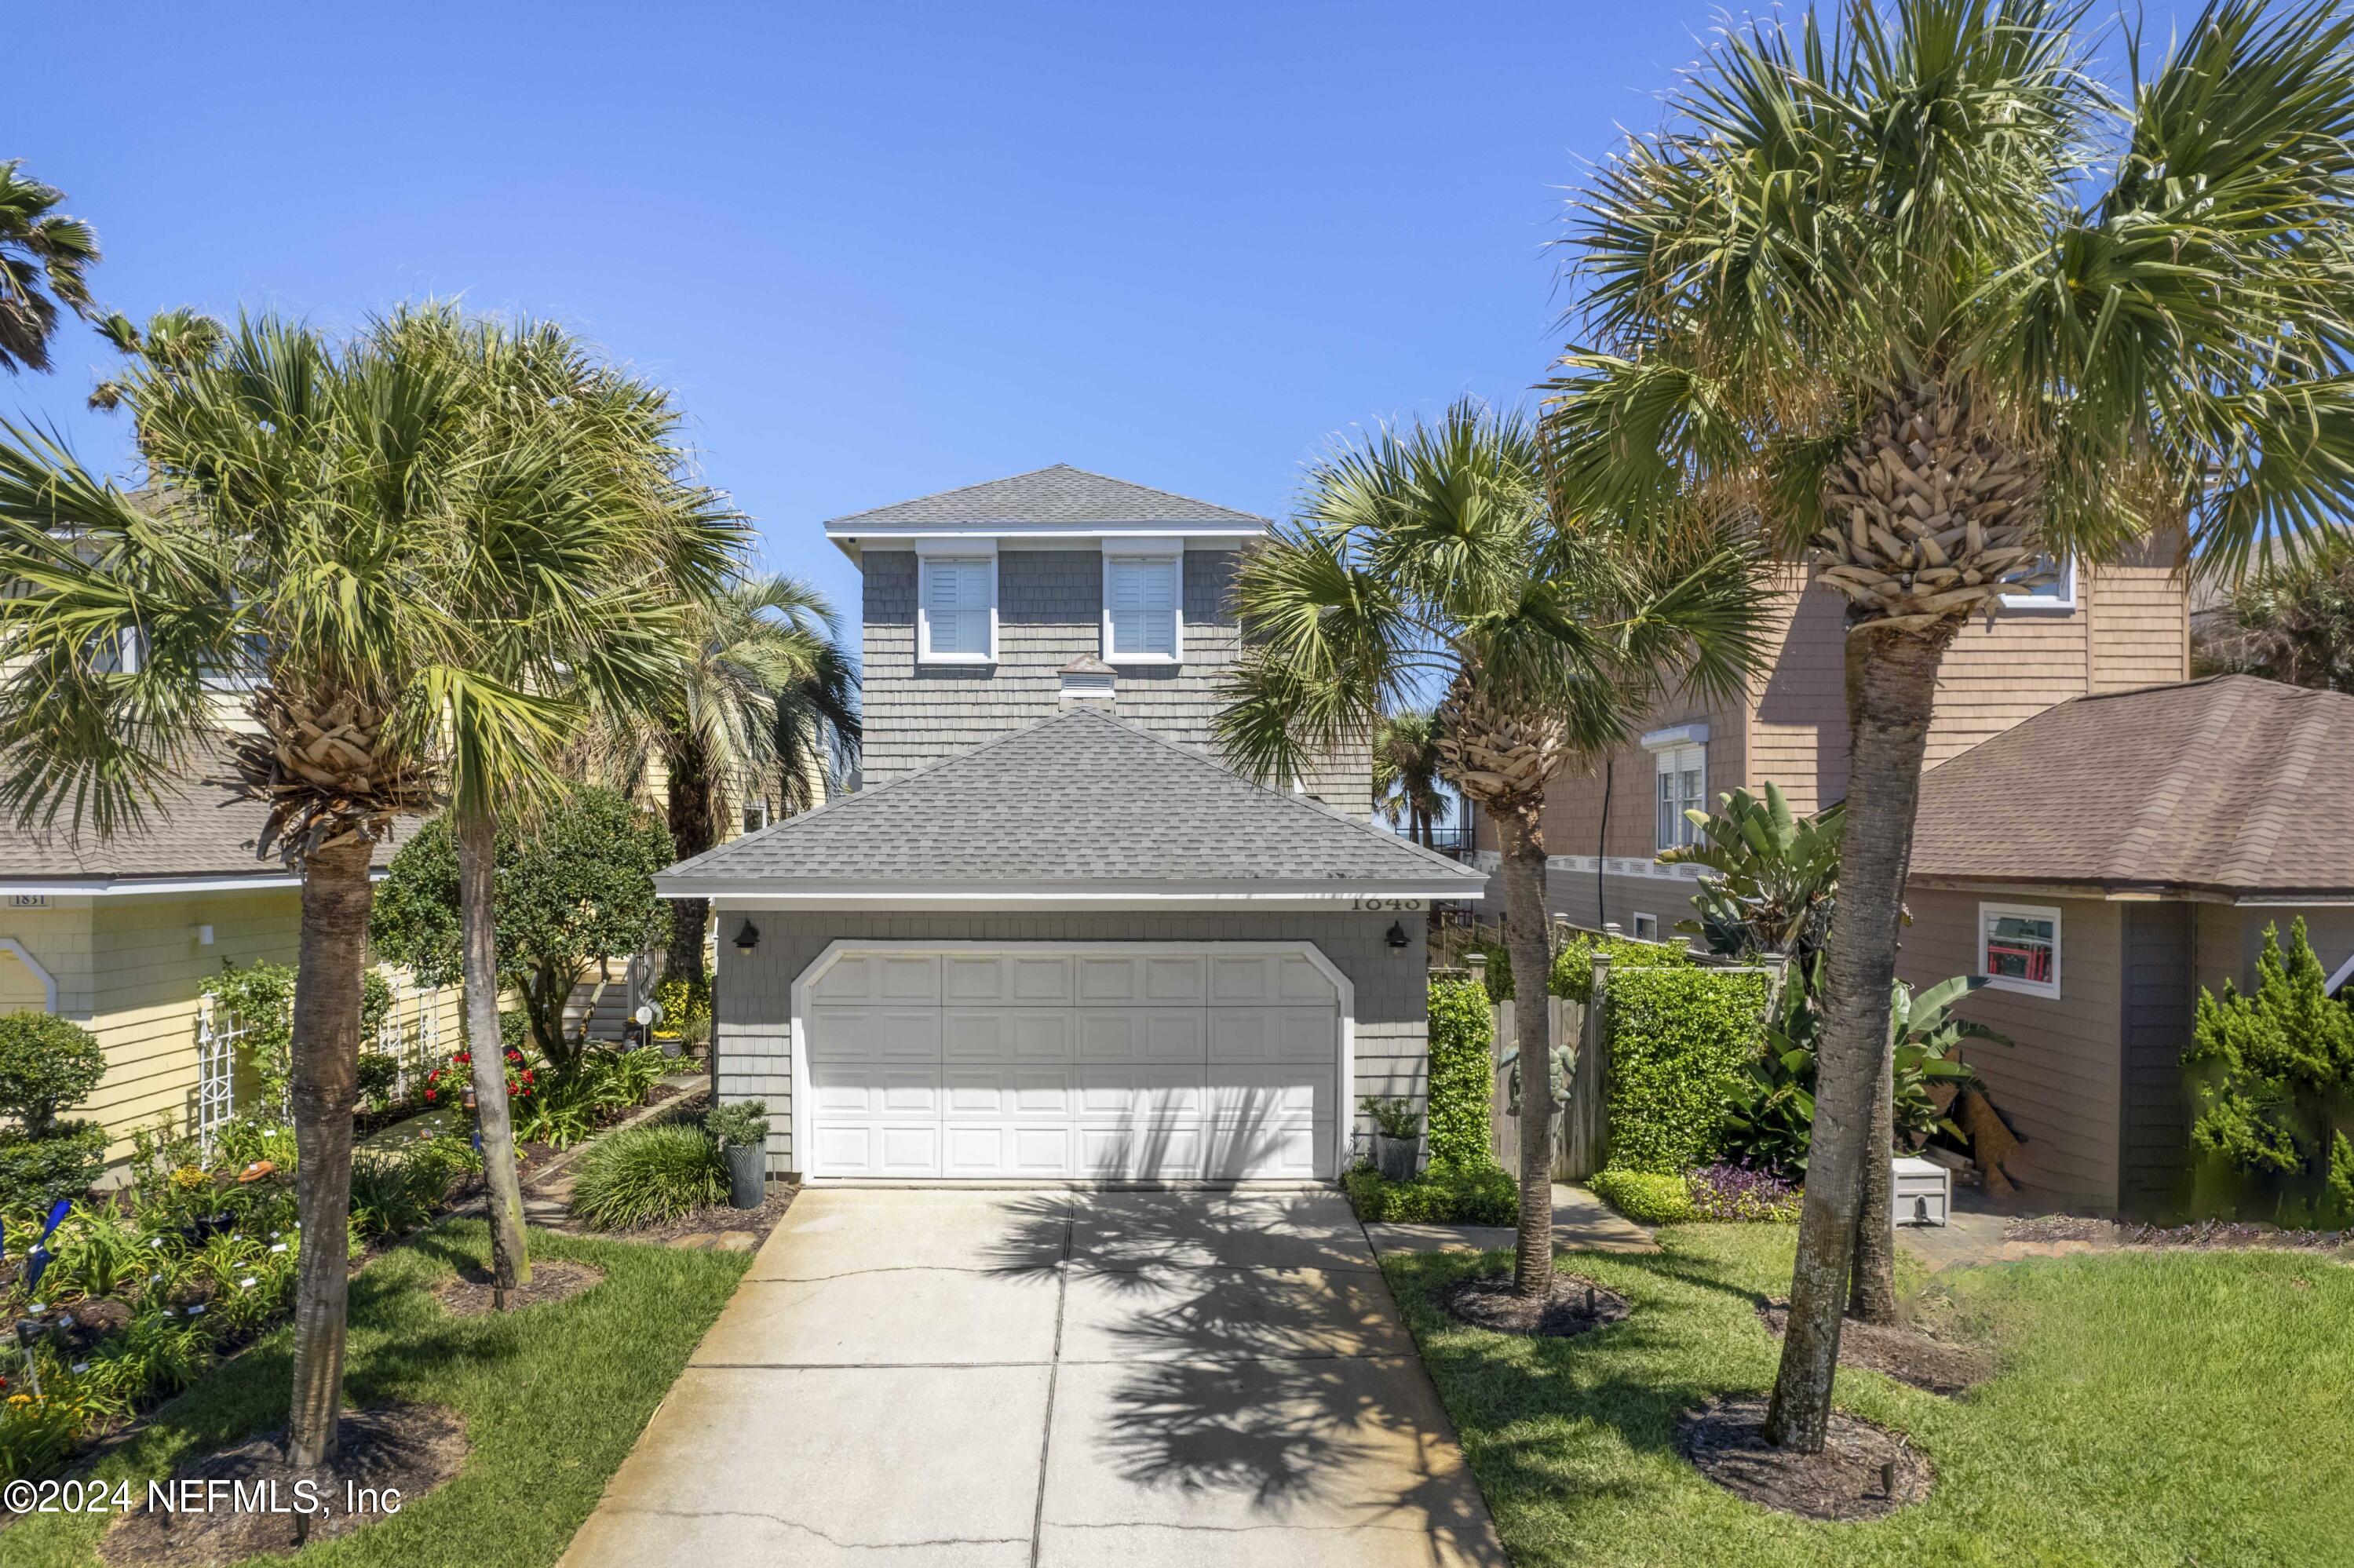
x=1601, y=841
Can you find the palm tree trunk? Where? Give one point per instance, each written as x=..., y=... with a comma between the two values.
x=1520, y=835
x=326, y=1066
x=688, y=805
x=1892, y=680
x=1871, y=1282
x=501, y=1189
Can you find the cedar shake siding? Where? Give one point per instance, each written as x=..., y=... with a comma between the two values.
x=1049, y=613
x=2058, y=1083
x=753, y=996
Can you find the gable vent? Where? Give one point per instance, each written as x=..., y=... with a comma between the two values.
x=1088, y=679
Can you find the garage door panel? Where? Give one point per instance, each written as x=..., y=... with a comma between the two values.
x=1288, y=1149
x=881, y=977
x=1143, y=1091
x=875, y=1149
x=875, y=1034
x=1045, y=981
x=1141, y=1151
x=1302, y=1035
x=865, y=1089
x=1141, y=1034
x=1244, y=1094
x=1164, y=980
x=995, y=1034
x=1267, y=977
x=1003, y=1092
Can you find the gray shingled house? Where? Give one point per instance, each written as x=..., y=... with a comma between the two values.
x=2100, y=863
x=1052, y=937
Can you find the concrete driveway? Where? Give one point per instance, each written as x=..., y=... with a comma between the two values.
x=919, y=1376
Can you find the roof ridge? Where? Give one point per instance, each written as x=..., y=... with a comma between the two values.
x=2166, y=796
x=2261, y=829
x=1287, y=797
x=1033, y=473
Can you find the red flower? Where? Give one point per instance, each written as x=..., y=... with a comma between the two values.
x=461, y=1057
x=515, y=1055
x=428, y=1093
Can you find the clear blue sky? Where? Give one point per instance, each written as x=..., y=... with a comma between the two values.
x=878, y=249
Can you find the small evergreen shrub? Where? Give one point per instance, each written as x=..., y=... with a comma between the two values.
x=34, y=1173
x=649, y=1174
x=739, y=1124
x=1647, y=1197
x=1478, y=1193
x=1462, y=1043
x=47, y=1063
x=1682, y=1041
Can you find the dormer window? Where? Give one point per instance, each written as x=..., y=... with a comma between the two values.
x=956, y=608
x=1145, y=586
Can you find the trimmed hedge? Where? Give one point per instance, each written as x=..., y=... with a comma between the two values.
x=1573, y=966
x=47, y=1063
x=34, y=1173
x=1682, y=1041
x=1462, y=1032
x=1469, y=1194
x=1647, y=1197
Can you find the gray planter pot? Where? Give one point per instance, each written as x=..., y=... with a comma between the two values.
x=671, y=1047
x=1395, y=1157
x=747, y=1175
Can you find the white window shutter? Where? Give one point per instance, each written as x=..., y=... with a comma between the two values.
x=1144, y=608
x=957, y=604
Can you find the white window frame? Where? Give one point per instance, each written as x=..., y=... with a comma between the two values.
x=2010, y=982
x=2059, y=603
x=928, y=551
x=1668, y=749
x=1132, y=551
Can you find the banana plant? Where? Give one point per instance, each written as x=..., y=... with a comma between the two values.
x=1773, y=875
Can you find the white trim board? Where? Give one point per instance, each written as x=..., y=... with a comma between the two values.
x=1344, y=1109
x=1385, y=894
x=49, y=981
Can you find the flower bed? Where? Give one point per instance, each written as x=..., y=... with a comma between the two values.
x=148, y=1286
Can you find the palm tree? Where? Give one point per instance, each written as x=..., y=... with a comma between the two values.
x=309, y=523
x=551, y=454
x=44, y=259
x=2293, y=621
x=1407, y=773
x=1431, y=556
x=765, y=691
x=1951, y=314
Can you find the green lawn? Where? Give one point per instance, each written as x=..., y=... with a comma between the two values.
x=2166, y=1409
x=553, y=1397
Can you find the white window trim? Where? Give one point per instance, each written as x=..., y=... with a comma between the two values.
x=2345, y=971
x=1640, y=936
x=1171, y=550
x=2007, y=982
x=927, y=552
x=2052, y=604
x=1664, y=757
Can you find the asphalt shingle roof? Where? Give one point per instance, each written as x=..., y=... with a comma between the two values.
x=1079, y=798
x=2231, y=785
x=1058, y=494
x=198, y=830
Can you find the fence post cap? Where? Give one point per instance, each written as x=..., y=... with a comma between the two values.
x=1477, y=962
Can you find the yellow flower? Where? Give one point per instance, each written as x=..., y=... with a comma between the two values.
x=189, y=1177
x=20, y=1399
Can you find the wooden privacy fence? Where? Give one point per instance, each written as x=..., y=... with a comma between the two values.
x=1580, y=1030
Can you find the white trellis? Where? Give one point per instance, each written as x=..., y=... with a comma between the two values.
x=218, y=1032
x=411, y=1031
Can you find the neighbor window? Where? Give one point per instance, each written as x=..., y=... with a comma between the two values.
x=2056, y=592
x=957, y=609
x=2019, y=948
x=1646, y=928
x=1681, y=774
x=1140, y=607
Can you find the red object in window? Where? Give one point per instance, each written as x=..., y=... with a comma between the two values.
x=2033, y=963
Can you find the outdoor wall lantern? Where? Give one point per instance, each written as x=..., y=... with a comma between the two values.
x=746, y=939
x=1397, y=938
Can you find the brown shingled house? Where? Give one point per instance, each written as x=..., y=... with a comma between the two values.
x=2101, y=862
x=2095, y=641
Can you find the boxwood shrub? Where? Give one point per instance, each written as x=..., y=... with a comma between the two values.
x=1682, y=1040
x=34, y=1173
x=1573, y=966
x=1647, y=1197
x=1473, y=1193
x=1462, y=1072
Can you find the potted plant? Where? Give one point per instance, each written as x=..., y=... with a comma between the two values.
x=1397, y=1135
x=742, y=1132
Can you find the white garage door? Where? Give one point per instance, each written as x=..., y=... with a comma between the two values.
x=1117, y=1062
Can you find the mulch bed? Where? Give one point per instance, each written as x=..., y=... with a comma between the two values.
x=468, y=1294
x=1906, y=1354
x=412, y=1447
x=2201, y=1236
x=1578, y=1306
x=1865, y=1471
x=690, y=1229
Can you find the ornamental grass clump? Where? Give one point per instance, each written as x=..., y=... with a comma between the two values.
x=645, y=1175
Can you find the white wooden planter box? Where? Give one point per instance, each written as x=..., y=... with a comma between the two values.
x=1924, y=1193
